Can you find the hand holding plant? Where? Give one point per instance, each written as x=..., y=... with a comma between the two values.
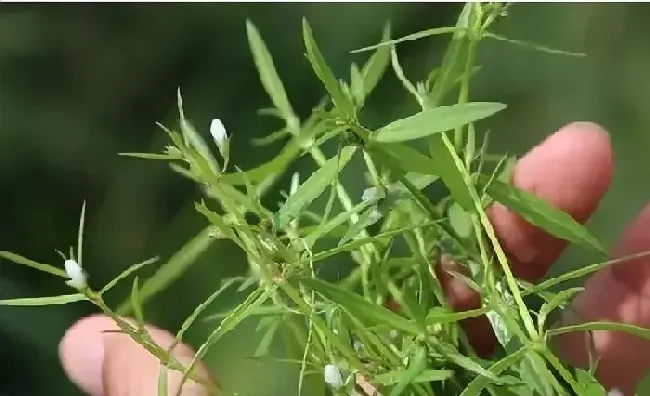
x=457, y=271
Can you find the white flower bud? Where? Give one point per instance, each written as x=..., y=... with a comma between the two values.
x=332, y=376
x=614, y=392
x=218, y=132
x=76, y=275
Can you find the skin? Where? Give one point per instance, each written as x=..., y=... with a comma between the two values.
x=571, y=169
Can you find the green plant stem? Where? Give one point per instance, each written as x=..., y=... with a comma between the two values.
x=318, y=322
x=142, y=337
x=564, y=373
x=367, y=251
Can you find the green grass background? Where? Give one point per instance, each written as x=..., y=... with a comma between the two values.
x=78, y=84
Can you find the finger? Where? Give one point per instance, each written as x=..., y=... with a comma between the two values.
x=620, y=293
x=571, y=170
x=111, y=364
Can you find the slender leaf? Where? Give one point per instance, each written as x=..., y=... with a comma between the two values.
x=452, y=171
x=410, y=37
x=151, y=156
x=534, y=46
x=80, y=234
x=324, y=73
x=173, y=269
x=557, y=300
x=475, y=388
x=360, y=307
x=268, y=74
x=313, y=187
x=272, y=168
x=436, y=120
x=136, y=304
x=376, y=66
x=131, y=269
x=428, y=375
x=602, y=326
x=38, y=301
x=18, y=259
x=542, y=214
x=417, y=364
x=410, y=159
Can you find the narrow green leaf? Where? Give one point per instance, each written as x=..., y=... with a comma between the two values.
x=136, y=304
x=410, y=37
x=131, y=269
x=255, y=299
x=542, y=214
x=275, y=166
x=360, y=307
x=366, y=219
x=410, y=159
x=376, y=66
x=428, y=375
x=268, y=74
x=313, y=187
x=534, y=46
x=39, y=301
x=452, y=171
x=265, y=311
x=322, y=255
x=557, y=300
x=194, y=139
x=216, y=220
x=436, y=120
x=466, y=362
x=356, y=85
x=173, y=269
x=329, y=226
x=271, y=138
x=18, y=259
x=162, y=381
x=583, y=271
x=475, y=388
x=324, y=73
x=151, y=156
x=401, y=76
x=440, y=315
x=200, y=308
x=267, y=339
x=534, y=371
x=602, y=326
x=417, y=364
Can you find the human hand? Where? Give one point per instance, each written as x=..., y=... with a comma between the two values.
x=112, y=364
x=571, y=169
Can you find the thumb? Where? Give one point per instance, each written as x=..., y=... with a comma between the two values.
x=112, y=364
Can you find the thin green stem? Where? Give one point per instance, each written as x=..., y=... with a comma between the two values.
x=367, y=251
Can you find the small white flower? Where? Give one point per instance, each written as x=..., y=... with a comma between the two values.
x=333, y=376
x=218, y=132
x=76, y=275
x=393, y=334
x=614, y=392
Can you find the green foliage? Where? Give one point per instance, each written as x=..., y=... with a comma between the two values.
x=390, y=234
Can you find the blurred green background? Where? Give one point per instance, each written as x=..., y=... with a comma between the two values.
x=80, y=83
